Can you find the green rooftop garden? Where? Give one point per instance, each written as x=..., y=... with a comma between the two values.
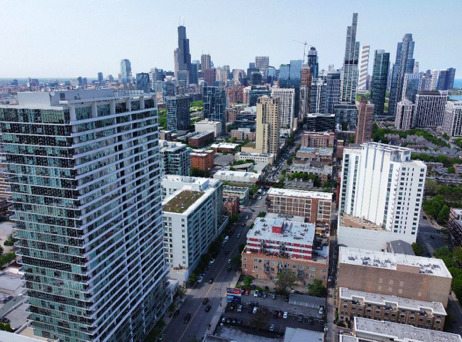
x=181, y=202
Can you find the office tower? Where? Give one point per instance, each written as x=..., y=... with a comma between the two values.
x=334, y=84
x=452, y=121
x=206, y=62
x=178, y=117
x=426, y=81
x=125, y=71
x=271, y=74
x=318, y=96
x=435, y=74
x=174, y=158
x=168, y=88
x=379, y=81
x=350, y=64
x=268, y=126
x=87, y=206
x=284, y=72
x=254, y=92
x=100, y=77
x=286, y=105
x=210, y=76
x=382, y=186
x=446, y=79
x=411, y=86
x=195, y=67
x=304, y=101
x=192, y=220
x=262, y=64
x=429, y=108
x=346, y=114
x=295, y=72
x=142, y=82
x=320, y=122
x=365, y=121
x=312, y=61
x=222, y=75
x=363, y=67
x=305, y=80
x=182, y=78
x=256, y=79
x=416, y=68
x=405, y=111
x=215, y=105
x=182, y=54
x=404, y=64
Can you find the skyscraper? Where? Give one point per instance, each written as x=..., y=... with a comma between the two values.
x=334, y=83
x=404, y=64
x=178, y=117
x=210, y=76
x=182, y=54
x=100, y=77
x=142, y=82
x=87, y=206
x=411, y=86
x=267, y=126
x=206, y=62
x=286, y=106
x=405, y=111
x=350, y=64
x=452, y=122
x=429, y=108
x=215, y=104
x=318, y=95
x=446, y=79
x=262, y=63
x=312, y=61
x=365, y=121
x=379, y=81
x=126, y=71
x=363, y=67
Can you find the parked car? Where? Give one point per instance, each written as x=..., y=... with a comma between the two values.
x=247, y=292
x=255, y=309
x=255, y=294
x=187, y=317
x=273, y=296
x=275, y=314
x=280, y=313
x=200, y=280
x=265, y=295
x=271, y=328
x=285, y=315
x=211, y=261
x=211, y=281
x=238, y=236
x=223, y=319
x=205, y=301
x=321, y=310
x=239, y=322
x=239, y=308
x=300, y=318
x=207, y=308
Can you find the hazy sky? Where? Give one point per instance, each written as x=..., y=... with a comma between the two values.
x=56, y=38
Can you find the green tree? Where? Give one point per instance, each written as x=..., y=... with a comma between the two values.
x=286, y=280
x=261, y=319
x=418, y=249
x=443, y=215
x=193, y=278
x=327, y=185
x=262, y=214
x=236, y=260
x=6, y=327
x=317, y=289
x=248, y=282
x=451, y=169
x=10, y=241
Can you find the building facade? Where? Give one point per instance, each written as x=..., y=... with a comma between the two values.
x=379, y=81
x=268, y=125
x=86, y=195
x=214, y=108
x=175, y=158
x=178, y=117
x=452, y=121
x=350, y=71
x=318, y=139
x=405, y=115
x=429, y=108
x=363, y=67
x=286, y=105
x=365, y=121
x=202, y=159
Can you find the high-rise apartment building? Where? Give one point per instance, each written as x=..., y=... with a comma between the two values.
x=363, y=67
x=318, y=96
x=312, y=61
x=404, y=64
x=452, y=121
x=350, y=64
x=286, y=105
x=210, y=76
x=215, y=105
x=365, y=121
x=306, y=76
x=446, y=79
x=100, y=77
x=405, y=111
x=85, y=182
x=434, y=74
x=382, y=189
x=262, y=63
x=429, y=108
x=379, y=81
x=411, y=86
x=206, y=62
x=267, y=125
x=125, y=71
x=334, y=84
x=174, y=158
x=178, y=117
x=182, y=54
x=142, y=82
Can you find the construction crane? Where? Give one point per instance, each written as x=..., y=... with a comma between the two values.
x=305, y=45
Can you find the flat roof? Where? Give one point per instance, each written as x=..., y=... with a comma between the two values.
x=302, y=335
x=170, y=146
x=370, y=258
x=180, y=202
x=401, y=332
x=436, y=308
x=323, y=151
x=241, y=174
x=300, y=193
x=201, y=134
x=245, y=154
x=325, y=133
x=224, y=145
x=292, y=231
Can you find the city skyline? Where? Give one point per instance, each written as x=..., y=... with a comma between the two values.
x=68, y=48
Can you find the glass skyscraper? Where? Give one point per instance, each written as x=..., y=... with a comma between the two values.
x=379, y=81
x=84, y=169
x=350, y=64
x=215, y=104
x=126, y=71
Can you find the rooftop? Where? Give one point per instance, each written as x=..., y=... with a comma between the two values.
x=294, y=232
x=300, y=193
x=436, y=308
x=327, y=134
x=400, y=247
x=240, y=174
x=370, y=258
x=200, y=134
x=321, y=151
x=170, y=146
x=401, y=332
x=357, y=222
x=225, y=145
x=207, y=122
x=299, y=335
x=182, y=201
x=269, y=155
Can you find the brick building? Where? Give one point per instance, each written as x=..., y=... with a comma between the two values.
x=313, y=206
x=202, y=159
x=318, y=139
x=231, y=204
x=419, y=278
x=455, y=225
x=202, y=139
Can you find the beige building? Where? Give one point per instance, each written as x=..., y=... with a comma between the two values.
x=409, y=276
x=353, y=303
x=318, y=139
x=365, y=121
x=267, y=126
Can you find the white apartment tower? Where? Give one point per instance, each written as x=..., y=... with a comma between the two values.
x=452, y=122
x=430, y=107
x=363, y=66
x=286, y=103
x=383, y=186
x=267, y=125
x=405, y=115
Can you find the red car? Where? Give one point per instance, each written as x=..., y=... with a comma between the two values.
x=247, y=292
x=280, y=314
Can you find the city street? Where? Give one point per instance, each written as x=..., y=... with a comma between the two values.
x=429, y=237
x=198, y=324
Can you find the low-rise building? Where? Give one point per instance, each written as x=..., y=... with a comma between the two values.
x=202, y=159
x=201, y=139
x=242, y=134
x=174, y=158
x=225, y=147
x=455, y=225
x=370, y=330
x=237, y=177
x=209, y=126
x=324, y=172
x=231, y=204
x=419, y=278
x=275, y=245
x=313, y=206
x=318, y=139
x=317, y=122
x=320, y=155
x=353, y=303
x=241, y=192
x=261, y=159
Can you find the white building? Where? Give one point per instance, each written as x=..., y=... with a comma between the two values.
x=260, y=159
x=429, y=108
x=286, y=105
x=175, y=158
x=382, y=191
x=237, y=176
x=192, y=215
x=208, y=126
x=363, y=67
x=452, y=122
x=405, y=111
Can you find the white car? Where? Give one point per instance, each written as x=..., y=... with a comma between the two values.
x=255, y=309
x=212, y=261
x=271, y=328
x=255, y=293
x=200, y=280
x=285, y=315
x=321, y=310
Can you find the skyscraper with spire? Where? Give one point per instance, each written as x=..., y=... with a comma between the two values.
x=404, y=64
x=182, y=55
x=349, y=75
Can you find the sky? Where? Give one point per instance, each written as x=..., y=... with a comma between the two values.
x=55, y=38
